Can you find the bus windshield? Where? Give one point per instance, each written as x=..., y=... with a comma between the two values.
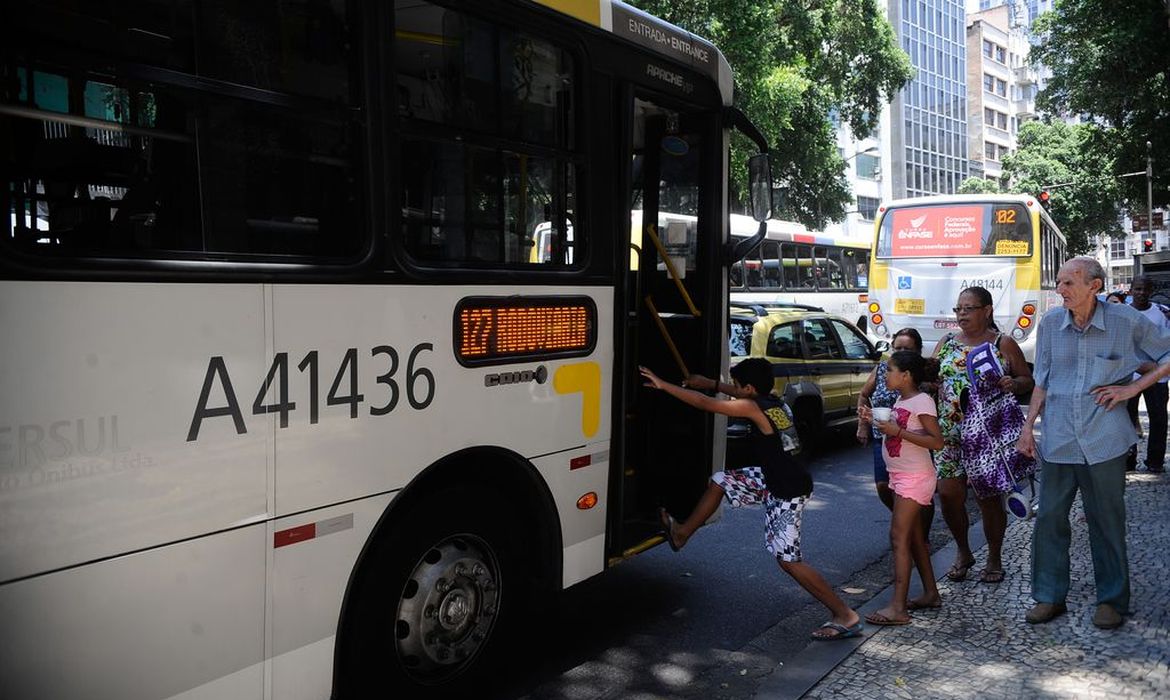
x=956, y=230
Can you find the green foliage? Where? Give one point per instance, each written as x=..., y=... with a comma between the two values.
x=1076, y=158
x=1110, y=59
x=979, y=185
x=794, y=63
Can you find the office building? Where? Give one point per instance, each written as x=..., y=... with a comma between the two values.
x=1001, y=89
x=921, y=144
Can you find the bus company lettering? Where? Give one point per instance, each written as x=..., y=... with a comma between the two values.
x=668, y=77
x=675, y=43
x=538, y=375
x=34, y=445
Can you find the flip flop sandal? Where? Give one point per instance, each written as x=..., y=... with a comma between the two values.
x=668, y=529
x=876, y=618
x=842, y=631
x=958, y=572
x=991, y=576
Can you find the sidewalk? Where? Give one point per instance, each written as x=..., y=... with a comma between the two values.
x=978, y=645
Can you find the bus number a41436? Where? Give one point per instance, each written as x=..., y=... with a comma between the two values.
x=272, y=396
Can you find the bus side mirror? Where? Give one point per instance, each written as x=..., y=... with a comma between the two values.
x=880, y=348
x=760, y=185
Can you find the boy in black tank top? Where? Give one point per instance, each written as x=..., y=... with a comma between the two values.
x=780, y=482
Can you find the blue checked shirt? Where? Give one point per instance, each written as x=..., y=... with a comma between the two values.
x=1070, y=362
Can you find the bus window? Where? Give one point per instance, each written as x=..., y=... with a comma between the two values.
x=827, y=268
x=1009, y=231
x=770, y=255
x=802, y=261
x=132, y=163
x=855, y=268
x=465, y=198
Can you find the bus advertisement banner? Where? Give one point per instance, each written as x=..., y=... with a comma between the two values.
x=938, y=231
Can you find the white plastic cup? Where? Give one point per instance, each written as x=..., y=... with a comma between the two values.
x=881, y=414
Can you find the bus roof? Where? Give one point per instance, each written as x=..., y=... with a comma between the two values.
x=650, y=32
x=1025, y=199
x=780, y=230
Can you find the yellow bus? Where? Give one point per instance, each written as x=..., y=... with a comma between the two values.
x=927, y=250
x=290, y=407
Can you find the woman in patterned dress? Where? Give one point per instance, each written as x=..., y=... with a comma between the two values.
x=974, y=313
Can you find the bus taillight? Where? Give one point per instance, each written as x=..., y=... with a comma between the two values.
x=1029, y=309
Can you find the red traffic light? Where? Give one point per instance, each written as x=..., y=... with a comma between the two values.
x=1044, y=197
x=1147, y=245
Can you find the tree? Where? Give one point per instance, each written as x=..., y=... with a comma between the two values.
x=1110, y=60
x=795, y=63
x=1072, y=164
x=979, y=185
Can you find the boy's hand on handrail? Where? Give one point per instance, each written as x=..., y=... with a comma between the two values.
x=652, y=380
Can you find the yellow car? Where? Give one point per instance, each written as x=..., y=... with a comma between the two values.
x=820, y=361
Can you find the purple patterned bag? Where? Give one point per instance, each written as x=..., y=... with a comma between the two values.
x=991, y=426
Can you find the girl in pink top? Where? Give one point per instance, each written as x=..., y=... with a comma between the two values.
x=909, y=435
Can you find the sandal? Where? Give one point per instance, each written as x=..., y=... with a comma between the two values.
x=991, y=576
x=876, y=618
x=958, y=572
x=839, y=632
x=668, y=529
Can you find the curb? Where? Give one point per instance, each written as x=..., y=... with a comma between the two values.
x=804, y=670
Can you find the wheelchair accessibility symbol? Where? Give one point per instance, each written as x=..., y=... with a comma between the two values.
x=904, y=282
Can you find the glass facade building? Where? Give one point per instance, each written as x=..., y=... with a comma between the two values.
x=929, y=116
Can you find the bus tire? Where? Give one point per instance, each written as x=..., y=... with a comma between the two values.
x=445, y=592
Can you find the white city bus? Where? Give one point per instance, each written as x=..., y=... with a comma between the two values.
x=796, y=266
x=928, y=249
x=289, y=408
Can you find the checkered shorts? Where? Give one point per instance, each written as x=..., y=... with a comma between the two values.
x=745, y=487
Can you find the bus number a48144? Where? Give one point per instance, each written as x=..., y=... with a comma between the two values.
x=272, y=396
x=986, y=284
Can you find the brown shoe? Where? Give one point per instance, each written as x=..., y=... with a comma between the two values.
x=1107, y=617
x=1044, y=612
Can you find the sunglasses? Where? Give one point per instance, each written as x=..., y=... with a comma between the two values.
x=967, y=309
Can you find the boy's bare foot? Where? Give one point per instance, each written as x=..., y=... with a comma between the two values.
x=887, y=617
x=924, y=602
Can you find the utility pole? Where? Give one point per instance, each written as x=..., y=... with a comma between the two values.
x=1150, y=188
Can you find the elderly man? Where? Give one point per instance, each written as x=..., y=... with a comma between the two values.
x=1086, y=356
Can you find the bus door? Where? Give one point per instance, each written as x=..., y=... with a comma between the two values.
x=675, y=192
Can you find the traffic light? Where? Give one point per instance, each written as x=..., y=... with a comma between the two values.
x=1044, y=198
x=1148, y=245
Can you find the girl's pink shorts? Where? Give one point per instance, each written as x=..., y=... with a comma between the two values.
x=917, y=486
